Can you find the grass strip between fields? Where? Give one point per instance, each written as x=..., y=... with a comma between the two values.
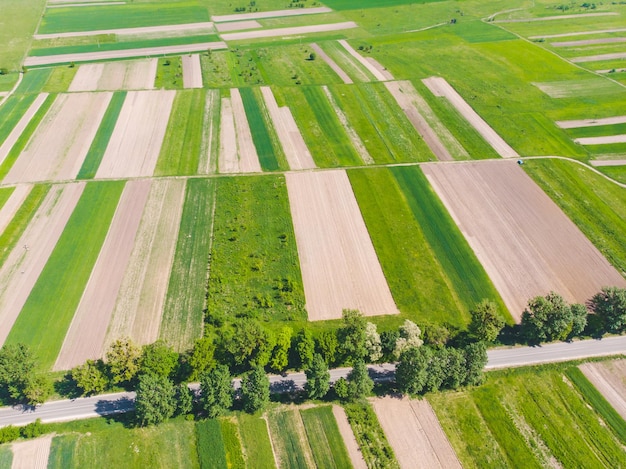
x=12, y=111
x=48, y=311
x=210, y=445
x=103, y=135
x=169, y=73
x=62, y=451
x=5, y=193
x=6, y=456
x=327, y=446
x=34, y=80
x=256, y=441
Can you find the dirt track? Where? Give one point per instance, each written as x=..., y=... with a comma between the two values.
x=12, y=205
x=339, y=266
x=440, y=87
x=31, y=454
x=58, y=147
x=601, y=140
x=228, y=161
x=192, y=72
x=8, y=143
x=610, y=379
x=113, y=76
x=527, y=245
x=608, y=162
x=85, y=337
x=356, y=457
x=373, y=69
x=591, y=122
x=284, y=32
x=207, y=27
x=415, y=434
x=270, y=14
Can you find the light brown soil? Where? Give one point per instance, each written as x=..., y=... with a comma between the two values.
x=416, y=108
x=248, y=158
x=440, y=87
x=122, y=54
x=356, y=457
x=579, y=33
x=21, y=270
x=524, y=241
x=85, y=337
x=192, y=72
x=228, y=161
x=601, y=140
x=610, y=379
x=8, y=143
x=588, y=42
x=296, y=151
x=599, y=57
x=207, y=27
x=374, y=70
x=270, y=14
x=340, y=269
x=557, y=17
x=58, y=147
x=591, y=122
x=139, y=305
x=286, y=32
x=31, y=454
x=89, y=4
x=608, y=162
x=332, y=64
x=136, y=141
x=209, y=152
x=414, y=433
x=113, y=76
x=12, y=205
x=237, y=26
x=378, y=66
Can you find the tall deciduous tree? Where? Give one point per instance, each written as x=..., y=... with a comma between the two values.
x=17, y=366
x=305, y=346
x=359, y=382
x=123, y=358
x=486, y=323
x=475, y=361
x=91, y=377
x=352, y=336
x=255, y=390
x=372, y=343
x=202, y=357
x=280, y=355
x=410, y=337
x=412, y=370
x=328, y=346
x=317, y=378
x=250, y=344
x=156, y=399
x=158, y=358
x=610, y=305
x=547, y=318
x=216, y=391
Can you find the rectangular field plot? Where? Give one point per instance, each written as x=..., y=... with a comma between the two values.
x=339, y=264
x=255, y=441
x=324, y=438
x=115, y=76
x=289, y=438
x=526, y=244
x=610, y=379
x=32, y=453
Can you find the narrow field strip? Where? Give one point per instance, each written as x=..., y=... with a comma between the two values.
x=183, y=313
x=61, y=142
x=47, y=313
x=23, y=265
x=290, y=440
x=12, y=111
x=31, y=454
x=607, y=162
x=296, y=151
x=19, y=128
x=589, y=42
x=269, y=14
x=192, y=73
x=573, y=124
x=375, y=70
x=345, y=430
x=525, y=242
x=610, y=379
x=246, y=151
x=228, y=160
x=579, y=33
x=139, y=306
x=85, y=336
x=237, y=26
x=415, y=434
x=598, y=57
x=558, y=17
x=441, y=88
x=332, y=64
x=606, y=140
x=322, y=432
x=285, y=32
x=12, y=204
x=340, y=269
x=205, y=26
x=115, y=76
x=353, y=68
x=210, y=148
x=135, y=143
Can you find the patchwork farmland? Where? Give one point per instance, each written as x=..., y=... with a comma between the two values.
x=191, y=171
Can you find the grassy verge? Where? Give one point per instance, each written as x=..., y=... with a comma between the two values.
x=183, y=313
x=324, y=438
x=210, y=445
x=595, y=205
x=103, y=135
x=5, y=193
x=6, y=456
x=49, y=309
x=292, y=450
x=12, y=111
x=62, y=451
x=255, y=270
x=169, y=74
x=180, y=152
x=232, y=444
x=256, y=441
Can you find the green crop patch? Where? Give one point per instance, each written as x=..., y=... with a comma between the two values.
x=60, y=79
x=5, y=193
x=256, y=441
x=6, y=456
x=48, y=311
x=479, y=31
x=12, y=111
x=359, y=5
x=614, y=172
x=597, y=131
x=169, y=73
x=327, y=446
x=210, y=445
x=292, y=450
x=34, y=80
x=183, y=312
x=62, y=451
x=101, y=140
x=232, y=444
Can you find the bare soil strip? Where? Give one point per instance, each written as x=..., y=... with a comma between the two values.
x=207, y=26
x=588, y=42
x=414, y=433
x=89, y=4
x=248, y=158
x=416, y=110
x=12, y=205
x=573, y=124
x=599, y=57
x=293, y=31
x=527, y=245
x=610, y=379
x=374, y=70
x=356, y=457
x=270, y=14
x=25, y=263
x=106, y=2
x=31, y=454
x=237, y=26
x=378, y=66
x=136, y=141
x=608, y=162
x=601, y=140
x=6, y=146
x=579, y=33
x=192, y=72
x=58, y=147
x=209, y=153
x=558, y=17
x=440, y=87
x=296, y=151
x=114, y=76
x=340, y=269
x=357, y=143
x=611, y=70
x=332, y=64
x=122, y=54
x=85, y=337
x=139, y=305
x=228, y=161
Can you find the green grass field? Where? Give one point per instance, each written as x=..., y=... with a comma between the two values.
x=292, y=450
x=356, y=5
x=183, y=313
x=256, y=441
x=60, y=79
x=48, y=311
x=254, y=252
x=180, y=152
x=615, y=172
x=101, y=140
x=597, y=131
x=12, y=111
x=169, y=73
x=16, y=34
x=595, y=205
x=6, y=456
x=210, y=445
x=232, y=444
x=327, y=446
x=34, y=80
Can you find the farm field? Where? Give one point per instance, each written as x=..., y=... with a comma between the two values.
x=115, y=76
x=609, y=378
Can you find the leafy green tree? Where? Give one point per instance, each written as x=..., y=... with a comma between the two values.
x=305, y=347
x=280, y=355
x=317, y=378
x=410, y=337
x=156, y=399
x=255, y=390
x=249, y=343
x=579, y=319
x=216, y=391
x=610, y=305
x=184, y=399
x=202, y=357
x=436, y=336
x=388, y=341
x=475, y=361
x=546, y=319
x=91, y=377
x=372, y=343
x=359, y=382
x=352, y=336
x=486, y=322
x=123, y=359
x=436, y=371
x=328, y=346
x=342, y=389
x=456, y=371
x=412, y=370
x=38, y=389
x=158, y=358
x=17, y=366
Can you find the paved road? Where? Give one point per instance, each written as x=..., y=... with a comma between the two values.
x=86, y=407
